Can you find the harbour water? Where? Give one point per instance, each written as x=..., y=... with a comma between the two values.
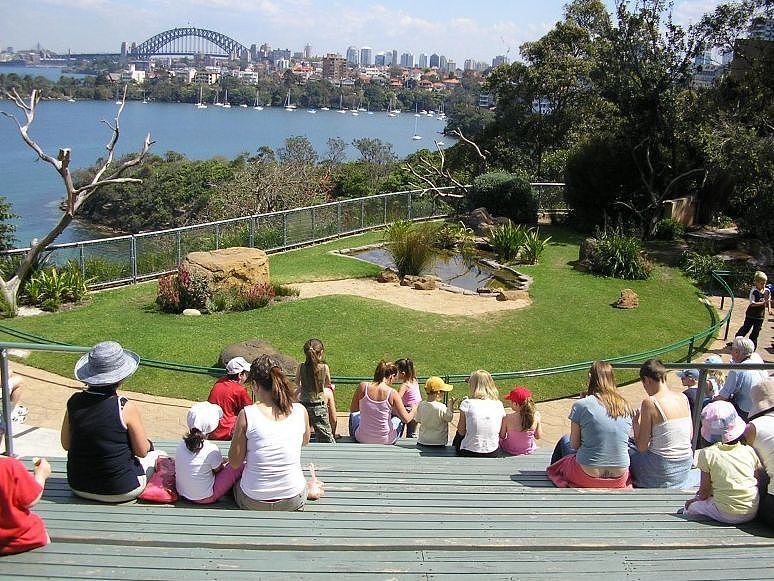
x=35, y=190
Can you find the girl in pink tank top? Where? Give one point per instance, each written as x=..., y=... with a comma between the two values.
x=408, y=392
x=520, y=429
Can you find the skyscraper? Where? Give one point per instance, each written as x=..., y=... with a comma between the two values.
x=307, y=51
x=442, y=63
x=407, y=60
x=394, y=61
x=353, y=56
x=434, y=60
x=379, y=59
x=366, y=56
x=422, y=60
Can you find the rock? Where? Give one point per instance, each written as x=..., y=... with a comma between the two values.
x=253, y=348
x=425, y=283
x=230, y=268
x=480, y=220
x=628, y=300
x=513, y=295
x=387, y=276
x=588, y=248
x=192, y=312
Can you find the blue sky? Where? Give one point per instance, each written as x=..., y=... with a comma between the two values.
x=459, y=29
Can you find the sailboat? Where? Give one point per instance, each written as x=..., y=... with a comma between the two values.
x=119, y=100
x=226, y=104
x=201, y=104
x=341, y=103
x=288, y=105
x=390, y=111
x=257, y=107
x=215, y=101
x=416, y=133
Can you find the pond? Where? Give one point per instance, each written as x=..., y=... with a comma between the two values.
x=467, y=272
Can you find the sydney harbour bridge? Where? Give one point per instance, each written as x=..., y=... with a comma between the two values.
x=188, y=41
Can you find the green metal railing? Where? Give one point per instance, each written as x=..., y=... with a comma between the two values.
x=37, y=343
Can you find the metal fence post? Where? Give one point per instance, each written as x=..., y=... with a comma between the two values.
x=217, y=236
x=384, y=211
x=251, y=230
x=362, y=214
x=690, y=349
x=338, y=218
x=4, y=375
x=285, y=229
x=82, y=260
x=178, y=248
x=314, y=233
x=408, y=205
x=133, y=256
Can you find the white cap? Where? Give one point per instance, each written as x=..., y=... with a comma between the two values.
x=204, y=416
x=237, y=365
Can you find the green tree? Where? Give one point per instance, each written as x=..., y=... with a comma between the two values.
x=7, y=227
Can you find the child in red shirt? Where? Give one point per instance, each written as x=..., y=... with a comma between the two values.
x=20, y=529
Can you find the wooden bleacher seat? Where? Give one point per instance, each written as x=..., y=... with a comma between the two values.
x=398, y=512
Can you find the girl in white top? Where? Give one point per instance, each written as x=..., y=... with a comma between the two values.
x=661, y=456
x=478, y=430
x=201, y=474
x=268, y=437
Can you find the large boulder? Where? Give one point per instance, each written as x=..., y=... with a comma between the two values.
x=230, y=268
x=254, y=348
x=480, y=221
x=628, y=300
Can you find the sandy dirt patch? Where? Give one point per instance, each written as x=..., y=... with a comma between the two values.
x=434, y=301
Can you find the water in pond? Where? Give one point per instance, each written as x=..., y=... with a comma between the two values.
x=454, y=269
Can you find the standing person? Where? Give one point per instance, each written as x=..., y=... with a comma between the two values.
x=728, y=491
x=376, y=411
x=521, y=428
x=20, y=529
x=739, y=382
x=109, y=457
x=595, y=454
x=481, y=415
x=433, y=416
x=756, y=310
x=408, y=391
x=760, y=435
x=268, y=437
x=312, y=377
x=201, y=474
x=661, y=455
x=230, y=394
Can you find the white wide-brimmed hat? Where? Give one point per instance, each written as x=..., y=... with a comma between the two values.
x=204, y=416
x=106, y=364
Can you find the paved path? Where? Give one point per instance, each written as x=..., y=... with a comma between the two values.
x=45, y=395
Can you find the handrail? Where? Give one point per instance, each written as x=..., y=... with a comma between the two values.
x=37, y=343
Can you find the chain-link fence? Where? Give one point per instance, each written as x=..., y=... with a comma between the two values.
x=126, y=259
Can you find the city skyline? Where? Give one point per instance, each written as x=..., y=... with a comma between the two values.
x=460, y=30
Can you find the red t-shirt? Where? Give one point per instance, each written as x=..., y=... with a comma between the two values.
x=231, y=396
x=20, y=529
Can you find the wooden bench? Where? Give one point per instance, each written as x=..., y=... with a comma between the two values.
x=398, y=512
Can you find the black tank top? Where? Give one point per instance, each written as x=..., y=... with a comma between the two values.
x=100, y=459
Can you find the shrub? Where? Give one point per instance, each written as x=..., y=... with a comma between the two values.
x=281, y=290
x=453, y=235
x=620, y=256
x=504, y=194
x=411, y=246
x=669, y=229
x=255, y=297
x=698, y=266
x=507, y=240
x=533, y=246
x=168, y=295
x=50, y=287
x=184, y=290
x=100, y=269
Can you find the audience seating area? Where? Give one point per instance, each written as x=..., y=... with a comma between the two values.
x=399, y=512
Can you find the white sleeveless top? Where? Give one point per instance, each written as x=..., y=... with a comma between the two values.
x=273, y=468
x=671, y=439
x=764, y=445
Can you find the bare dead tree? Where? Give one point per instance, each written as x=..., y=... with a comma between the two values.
x=75, y=196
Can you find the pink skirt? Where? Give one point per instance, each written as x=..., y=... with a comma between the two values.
x=567, y=473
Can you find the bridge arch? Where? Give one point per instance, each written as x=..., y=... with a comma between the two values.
x=189, y=41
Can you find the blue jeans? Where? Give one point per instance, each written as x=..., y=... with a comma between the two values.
x=354, y=423
x=562, y=449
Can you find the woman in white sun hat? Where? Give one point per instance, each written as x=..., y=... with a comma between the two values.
x=109, y=457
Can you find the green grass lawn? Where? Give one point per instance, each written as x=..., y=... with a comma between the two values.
x=571, y=320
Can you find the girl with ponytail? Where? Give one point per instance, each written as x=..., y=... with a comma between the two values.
x=313, y=378
x=268, y=437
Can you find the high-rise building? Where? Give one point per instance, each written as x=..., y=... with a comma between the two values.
x=307, y=51
x=422, y=60
x=762, y=28
x=434, y=60
x=407, y=60
x=333, y=67
x=366, y=56
x=264, y=50
x=442, y=63
x=353, y=56
x=451, y=66
x=380, y=60
x=394, y=61
x=500, y=59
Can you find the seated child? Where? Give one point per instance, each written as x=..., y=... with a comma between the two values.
x=20, y=529
x=201, y=474
x=520, y=429
x=433, y=416
x=728, y=491
x=329, y=398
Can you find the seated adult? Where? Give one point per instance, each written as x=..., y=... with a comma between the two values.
x=377, y=413
x=229, y=393
x=760, y=435
x=661, y=455
x=739, y=382
x=20, y=529
x=481, y=416
x=595, y=454
x=109, y=456
x=268, y=437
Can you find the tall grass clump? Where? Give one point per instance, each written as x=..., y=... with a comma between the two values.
x=412, y=246
x=506, y=240
x=533, y=246
x=619, y=255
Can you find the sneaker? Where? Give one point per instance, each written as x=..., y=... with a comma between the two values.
x=21, y=410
